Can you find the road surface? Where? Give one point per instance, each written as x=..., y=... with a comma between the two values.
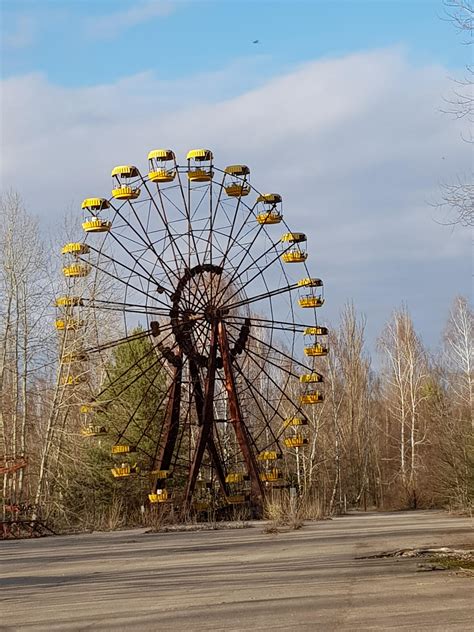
x=239, y=580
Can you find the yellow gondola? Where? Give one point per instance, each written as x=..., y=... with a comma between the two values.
x=298, y=441
x=76, y=270
x=68, y=323
x=312, y=398
x=271, y=213
x=160, y=496
x=123, y=449
x=311, y=300
x=311, y=378
x=124, y=470
x=294, y=422
x=159, y=170
x=75, y=248
x=236, y=477
x=93, y=431
x=68, y=301
x=197, y=171
x=316, y=350
x=125, y=193
x=122, y=175
x=271, y=476
x=96, y=225
x=269, y=217
x=295, y=255
x=269, y=455
x=237, y=187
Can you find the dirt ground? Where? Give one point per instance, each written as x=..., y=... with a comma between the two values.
x=239, y=580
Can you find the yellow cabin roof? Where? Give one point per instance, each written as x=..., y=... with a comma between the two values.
x=93, y=431
x=295, y=421
x=316, y=350
x=310, y=282
x=236, y=477
x=293, y=237
x=75, y=248
x=161, y=154
x=269, y=455
x=123, y=449
x=237, y=170
x=161, y=474
x=128, y=171
x=94, y=203
x=316, y=331
x=199, y=154
x=310, y=378
x=269, y=198
x=295, y=442
x=68, y=301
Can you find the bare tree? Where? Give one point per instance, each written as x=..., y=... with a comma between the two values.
x=405, y=378
x=459, y=357
x=451, y=462
x=25, y=292
x=459, y=196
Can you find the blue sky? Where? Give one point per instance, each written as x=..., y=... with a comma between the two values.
x=351, y=92
x=86, y=42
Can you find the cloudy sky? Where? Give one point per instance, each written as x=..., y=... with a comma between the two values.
x=338, y=107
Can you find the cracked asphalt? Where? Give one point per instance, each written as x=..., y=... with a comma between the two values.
x=239, y=580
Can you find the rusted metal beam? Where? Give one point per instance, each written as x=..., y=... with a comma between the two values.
x=211, y=446
x=207, y=419
x=241, y=433
x=170, y=424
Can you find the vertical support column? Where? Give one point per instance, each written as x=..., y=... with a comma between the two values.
x=211, y=446
x=241, y=433
x=207, y=419
x=171, y=422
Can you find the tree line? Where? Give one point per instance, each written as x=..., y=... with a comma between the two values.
x=396, y=435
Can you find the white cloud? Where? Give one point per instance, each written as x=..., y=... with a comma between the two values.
x=357, y=147
x=115, y=22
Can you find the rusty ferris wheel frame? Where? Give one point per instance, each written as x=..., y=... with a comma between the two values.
x=197, y=252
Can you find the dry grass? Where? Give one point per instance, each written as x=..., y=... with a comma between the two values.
x=287, y=512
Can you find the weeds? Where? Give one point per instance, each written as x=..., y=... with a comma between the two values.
x=286, y=511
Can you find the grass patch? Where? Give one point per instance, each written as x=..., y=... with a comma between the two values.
x=454, y=563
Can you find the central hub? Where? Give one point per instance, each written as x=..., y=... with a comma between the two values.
x=212, y=313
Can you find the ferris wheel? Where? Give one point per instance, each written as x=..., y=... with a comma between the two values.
x=210, y=292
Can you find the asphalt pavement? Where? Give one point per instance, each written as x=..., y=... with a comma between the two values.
x=240, y=580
